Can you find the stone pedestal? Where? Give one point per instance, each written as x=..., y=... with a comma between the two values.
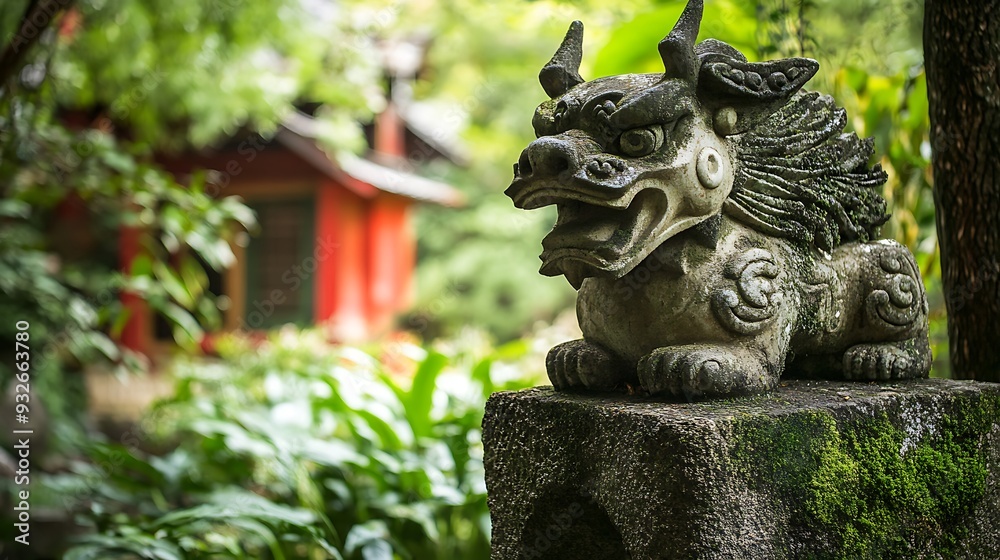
x=815, y=470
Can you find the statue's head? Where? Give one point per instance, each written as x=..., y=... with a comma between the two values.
x=633, y=160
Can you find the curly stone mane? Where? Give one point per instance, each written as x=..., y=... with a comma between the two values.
x=801, y=177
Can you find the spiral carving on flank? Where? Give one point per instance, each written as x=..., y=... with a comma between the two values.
x=900, y=300
x=753, y=305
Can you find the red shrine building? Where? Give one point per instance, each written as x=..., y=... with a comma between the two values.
x=335, y=247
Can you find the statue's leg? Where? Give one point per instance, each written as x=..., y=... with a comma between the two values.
x=753, y=311
x=696, y=371
x=579, y=363
x=890, y=360
x=894, y=318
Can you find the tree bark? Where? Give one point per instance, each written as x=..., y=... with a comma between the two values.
x=38, y=16
x=962, y=57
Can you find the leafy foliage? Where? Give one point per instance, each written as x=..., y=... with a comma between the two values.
x=201, y=69
x=299, y=449
x=105, y=84
x=61, y=219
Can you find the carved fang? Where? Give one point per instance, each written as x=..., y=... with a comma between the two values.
x=677, y=48
x=563, y=71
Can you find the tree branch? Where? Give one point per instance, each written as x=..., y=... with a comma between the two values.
x=39, y=15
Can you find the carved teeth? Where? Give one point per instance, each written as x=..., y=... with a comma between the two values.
x=754, y=80
x=736, y=75
x=607, y=167
x=599, y=168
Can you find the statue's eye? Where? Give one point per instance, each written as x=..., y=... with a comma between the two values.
x=639, y=142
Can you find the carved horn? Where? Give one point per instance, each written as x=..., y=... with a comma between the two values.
x=563, y=71
x=677, y=48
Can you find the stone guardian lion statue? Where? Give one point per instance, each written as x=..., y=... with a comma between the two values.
x=719, y=225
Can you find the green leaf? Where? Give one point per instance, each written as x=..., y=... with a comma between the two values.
x=187, y=332
x=420, y=399
x=234, y=504
x=120, y=162
x=331, y=453
x=917, y=103
x=238, y=211
x=106, y=547
x=193, y=276
x=387, y=435
x=482, y=372
x=377, y=550
x=370, y=539
x=10, y=208
x=237, y=438
x=104, y=344
x=122, y=466
x=173, y=284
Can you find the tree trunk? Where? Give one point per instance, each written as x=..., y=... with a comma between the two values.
x=38, y=16
x=962, y=55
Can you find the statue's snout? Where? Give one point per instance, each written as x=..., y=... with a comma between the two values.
x=546, y=157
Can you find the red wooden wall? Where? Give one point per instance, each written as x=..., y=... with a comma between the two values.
x=366, y=279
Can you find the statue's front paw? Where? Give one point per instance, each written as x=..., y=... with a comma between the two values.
x=879, y=362
x=686, y=373
x=696, y=372
x=579, y=363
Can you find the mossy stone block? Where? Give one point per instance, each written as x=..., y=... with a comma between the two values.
x=816, y=470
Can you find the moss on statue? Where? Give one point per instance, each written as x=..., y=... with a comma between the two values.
x=875, y=490
x=817, y=470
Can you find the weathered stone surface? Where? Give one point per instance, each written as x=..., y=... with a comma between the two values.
x=817, y=470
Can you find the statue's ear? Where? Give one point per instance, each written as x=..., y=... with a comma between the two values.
x=563, y=71
x=753, y=90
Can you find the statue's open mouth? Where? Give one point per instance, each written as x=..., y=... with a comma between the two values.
x=536, y=193
x=599, y=240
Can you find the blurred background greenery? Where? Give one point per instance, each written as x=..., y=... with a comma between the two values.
x=289, y=446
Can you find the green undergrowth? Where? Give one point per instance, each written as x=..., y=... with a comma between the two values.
x=296, y=448
x=871, y=489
